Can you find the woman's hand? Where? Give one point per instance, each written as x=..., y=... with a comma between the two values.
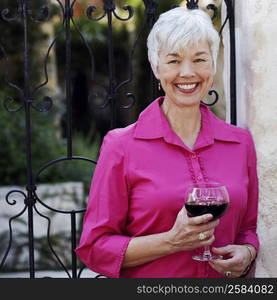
x=184, y=235
x=238, y=259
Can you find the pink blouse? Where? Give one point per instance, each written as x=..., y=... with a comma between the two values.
x=139, y=184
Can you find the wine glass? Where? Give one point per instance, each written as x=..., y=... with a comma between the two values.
x=204, y=198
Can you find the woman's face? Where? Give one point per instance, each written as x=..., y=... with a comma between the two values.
x=186, y=78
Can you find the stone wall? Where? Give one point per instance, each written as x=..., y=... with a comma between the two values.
x=256, y=31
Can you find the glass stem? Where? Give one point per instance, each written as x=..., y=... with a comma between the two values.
x=207, y=253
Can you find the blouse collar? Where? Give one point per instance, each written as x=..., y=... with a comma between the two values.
x=153, y=124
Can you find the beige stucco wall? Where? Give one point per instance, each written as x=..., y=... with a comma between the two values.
x=256, y=32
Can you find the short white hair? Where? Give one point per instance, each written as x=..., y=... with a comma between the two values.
x=179, y=27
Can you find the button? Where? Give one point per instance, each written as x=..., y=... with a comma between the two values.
x=199, y=178
x=194, y=155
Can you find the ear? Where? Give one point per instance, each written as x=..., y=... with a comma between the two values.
x=155, y=70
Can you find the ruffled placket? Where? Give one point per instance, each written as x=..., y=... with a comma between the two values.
x=196, y=167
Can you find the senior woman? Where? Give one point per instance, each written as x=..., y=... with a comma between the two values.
x=136, y=224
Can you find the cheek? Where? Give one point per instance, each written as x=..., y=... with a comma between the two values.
x=209, y=78
x=167, y=76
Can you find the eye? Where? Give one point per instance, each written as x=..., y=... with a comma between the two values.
x=199, y=60
x=174, y=61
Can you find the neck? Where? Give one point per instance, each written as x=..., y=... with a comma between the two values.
x=185, y=120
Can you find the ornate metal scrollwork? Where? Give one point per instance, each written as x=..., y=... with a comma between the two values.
x=215, y=10
x=192, y=4
x=132, y=103
x=6, y=11
x=23, y=8
x=109, y=7
x=8, y=100
x=45, y=105
x=151, y=7
x=42, y=16
x=13, y=202
x=215, y=100
x=127, y=8
x=91, y=10
x=23, y=11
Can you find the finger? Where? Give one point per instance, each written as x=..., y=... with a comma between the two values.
x=235, y=275
x=183, y=211
x=223, y=270
x=207, y=234
x=209, y=241
x=182, y=215
x=223, y=264
x=215, y=267
x=207, y=227
x=200, y=219
x=210, y=225
x=223, y=250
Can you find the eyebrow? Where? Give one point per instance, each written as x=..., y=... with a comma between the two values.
x=200, y=53
x=196, y=54
x=173, y=54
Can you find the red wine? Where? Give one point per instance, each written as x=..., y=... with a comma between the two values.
x=217, y=210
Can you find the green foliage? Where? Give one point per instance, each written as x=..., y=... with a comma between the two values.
x=13, y=149
x=47, y=145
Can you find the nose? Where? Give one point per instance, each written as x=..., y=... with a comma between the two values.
x=187, y=69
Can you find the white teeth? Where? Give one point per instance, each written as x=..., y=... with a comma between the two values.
x=187, y=86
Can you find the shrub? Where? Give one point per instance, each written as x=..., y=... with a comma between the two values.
x=47, y=145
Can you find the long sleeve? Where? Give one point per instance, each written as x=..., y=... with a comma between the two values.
x=103, y=243
x=248, y=229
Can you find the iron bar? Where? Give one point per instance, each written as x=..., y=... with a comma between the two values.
x=151, y=10
x=68, y=13
x=109, y=7
x=30, y=187
x=230, y=4
x=73, y=245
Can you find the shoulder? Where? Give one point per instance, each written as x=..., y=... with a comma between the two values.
x=117, y=140
x=112, y=151
x=242, y=134
x=228, y=132
x=120, y=135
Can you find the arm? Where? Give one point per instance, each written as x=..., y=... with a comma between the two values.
x=103, y=242
x=243, y=253
x=248, y=228
x=183, y=236
x=144, y=249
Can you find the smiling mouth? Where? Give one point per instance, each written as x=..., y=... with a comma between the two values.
x=187, y=88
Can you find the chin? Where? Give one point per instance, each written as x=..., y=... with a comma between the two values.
x=182, y=100
x=187, y=103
